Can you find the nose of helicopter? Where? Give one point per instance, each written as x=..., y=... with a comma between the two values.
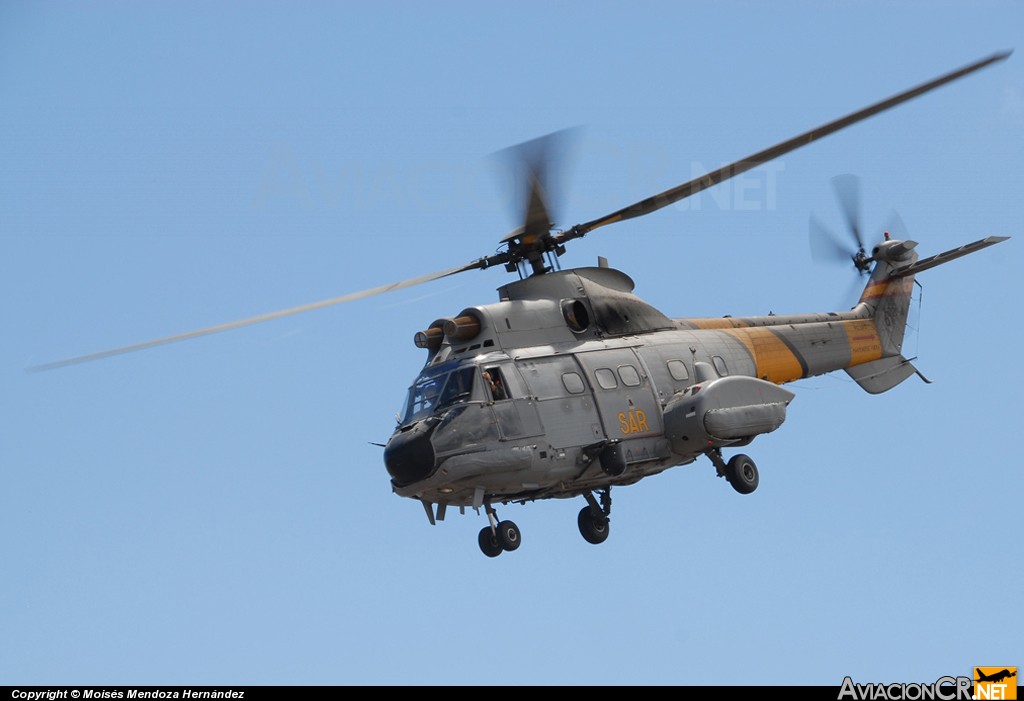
x=409, y=456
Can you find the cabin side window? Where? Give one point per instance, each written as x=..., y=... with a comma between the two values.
x=720, y=365
x=677, y=368
x=629, y=376
x=606, y=378
x=573, y=383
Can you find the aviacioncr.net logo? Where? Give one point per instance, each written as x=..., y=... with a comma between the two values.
x=944, y=689
x=999, y=683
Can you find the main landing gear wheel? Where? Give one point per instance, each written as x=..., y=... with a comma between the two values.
x=594, y=529
x=594, y=518
x=742, y=473
x=498, y=536
x=509, y=536
x=489, y=544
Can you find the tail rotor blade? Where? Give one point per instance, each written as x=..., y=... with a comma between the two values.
x=825, y=246
x=895, y=227
x=853, y=292
x=847, y=189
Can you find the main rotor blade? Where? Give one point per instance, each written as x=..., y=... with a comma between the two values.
x=538, y=215
x=258, y=319
x=537, y=165
x=694, y=186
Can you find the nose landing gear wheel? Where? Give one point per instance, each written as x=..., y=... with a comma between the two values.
x=489, y=543
x=742, y=474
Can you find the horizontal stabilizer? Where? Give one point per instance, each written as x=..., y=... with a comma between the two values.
x=883, y=374
x=939, y=259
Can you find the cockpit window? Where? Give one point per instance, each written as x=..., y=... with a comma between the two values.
x=434, y=390
x=423, y=396
x=458, y=387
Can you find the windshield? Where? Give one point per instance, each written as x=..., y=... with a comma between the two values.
x=436, y=389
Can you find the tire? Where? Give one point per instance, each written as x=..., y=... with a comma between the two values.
x=594, y=530
x=509, y=536
x=742, y=473
x=489, y=544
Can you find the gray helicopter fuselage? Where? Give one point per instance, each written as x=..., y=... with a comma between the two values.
x=599, y=389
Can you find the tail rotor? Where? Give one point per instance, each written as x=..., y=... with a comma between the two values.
x=829, y=248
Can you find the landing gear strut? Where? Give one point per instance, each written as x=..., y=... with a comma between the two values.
x=740, y=471
x=594, y=518
x=498, y=536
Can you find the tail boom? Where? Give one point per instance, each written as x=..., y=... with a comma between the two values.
x=866, y=341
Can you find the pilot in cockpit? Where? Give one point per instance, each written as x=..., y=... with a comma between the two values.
x=493, y=380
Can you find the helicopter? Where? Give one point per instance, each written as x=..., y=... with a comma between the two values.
x=570, y=384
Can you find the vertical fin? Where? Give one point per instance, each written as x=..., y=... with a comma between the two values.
x=888, y=300
x=888, y=297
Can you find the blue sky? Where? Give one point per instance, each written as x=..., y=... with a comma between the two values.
x=213, y=512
